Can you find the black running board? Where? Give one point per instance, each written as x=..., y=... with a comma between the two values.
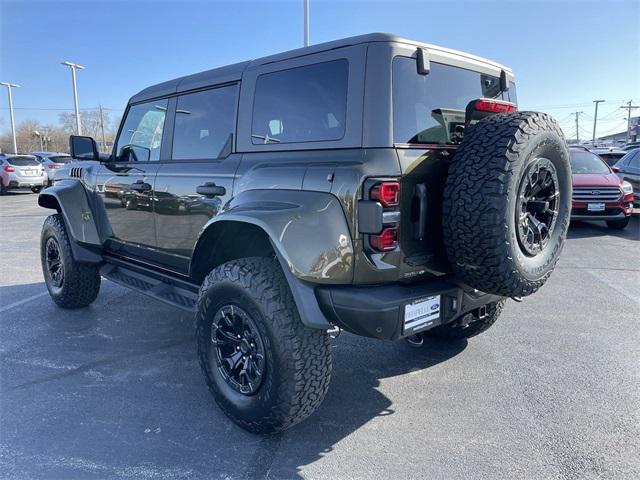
x=169, y=290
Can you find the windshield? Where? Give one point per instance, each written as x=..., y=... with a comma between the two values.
x=61, y=159
x=587, y=162
x=428, y=108
x=22, y=161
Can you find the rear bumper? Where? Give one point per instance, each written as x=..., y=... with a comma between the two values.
x=378, y=311
x=22, y=183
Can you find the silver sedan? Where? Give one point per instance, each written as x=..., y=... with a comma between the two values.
x=21, y=172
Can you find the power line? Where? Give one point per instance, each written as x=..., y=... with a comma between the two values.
x=629, y=107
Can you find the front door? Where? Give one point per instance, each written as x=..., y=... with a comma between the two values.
x=126, y=184
x=197, y=181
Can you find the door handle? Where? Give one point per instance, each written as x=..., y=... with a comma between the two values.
x=210, y=190
x=140, y=186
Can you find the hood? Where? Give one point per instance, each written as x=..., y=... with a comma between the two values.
x=596, y=180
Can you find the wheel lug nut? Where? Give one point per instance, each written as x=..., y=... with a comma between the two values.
x=237, y=348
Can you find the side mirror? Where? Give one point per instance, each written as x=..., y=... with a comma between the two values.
x=83, y=148
x=615, y=169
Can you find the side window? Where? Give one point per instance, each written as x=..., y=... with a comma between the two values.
x=204, y=124
x=141, y=135
x=634, y=161
x=303, y=104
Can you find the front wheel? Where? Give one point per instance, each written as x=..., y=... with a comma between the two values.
x=266, y=370
x=618, y=224
x=71, y=284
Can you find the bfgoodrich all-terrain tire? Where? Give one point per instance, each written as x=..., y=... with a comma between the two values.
x=469, y=325
x=507, y=203
x=266, y=370
x=71, y=284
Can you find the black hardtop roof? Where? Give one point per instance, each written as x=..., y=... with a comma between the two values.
x=231, y=73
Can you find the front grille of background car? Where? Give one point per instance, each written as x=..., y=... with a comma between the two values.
x=594, y=194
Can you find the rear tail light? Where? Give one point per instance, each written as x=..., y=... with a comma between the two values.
x=52, y=166
x=386, y=241
x=494, y=106
x=387, y=193
x=9, y=169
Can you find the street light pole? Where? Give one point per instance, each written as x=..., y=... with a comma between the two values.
x=595, y=121
x=39, y=135
x=73, y=67
x=13, y=124
x=306, y=23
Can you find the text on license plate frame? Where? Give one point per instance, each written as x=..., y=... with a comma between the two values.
x=421, y=314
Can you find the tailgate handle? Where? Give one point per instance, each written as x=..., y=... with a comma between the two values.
x=419, y=211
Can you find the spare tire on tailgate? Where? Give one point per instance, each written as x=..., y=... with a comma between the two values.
x=507, y=203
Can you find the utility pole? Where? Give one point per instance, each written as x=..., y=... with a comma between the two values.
x=74, y=67
x=595, y=121
x=629, y=107
x=13, y=124
x=104, y=143
x=577, y=114
x=306, y=23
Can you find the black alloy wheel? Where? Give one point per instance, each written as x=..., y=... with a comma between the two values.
x=537, y=207
x=55, y=267
x=240, y=351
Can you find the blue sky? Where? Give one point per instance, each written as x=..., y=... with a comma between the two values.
x=564, y=53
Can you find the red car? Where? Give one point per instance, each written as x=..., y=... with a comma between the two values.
x=598, y=193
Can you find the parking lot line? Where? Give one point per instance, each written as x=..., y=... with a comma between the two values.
x=21, y=302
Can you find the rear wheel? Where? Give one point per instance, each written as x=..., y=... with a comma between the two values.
x=507, y=203
x=266, y=370
x=71, y=284
x=468, y=325
x=618, y=224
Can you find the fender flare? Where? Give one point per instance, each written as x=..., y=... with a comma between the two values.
x=69, y=198
x=309, y=234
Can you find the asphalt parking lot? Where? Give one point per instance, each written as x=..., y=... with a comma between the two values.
x=115, y=390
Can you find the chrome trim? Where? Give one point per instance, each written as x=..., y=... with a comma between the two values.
x=596, y=194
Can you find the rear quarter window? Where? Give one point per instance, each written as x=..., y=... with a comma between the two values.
x=303, y=104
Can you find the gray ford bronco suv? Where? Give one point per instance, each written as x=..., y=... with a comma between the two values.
x=374, y=184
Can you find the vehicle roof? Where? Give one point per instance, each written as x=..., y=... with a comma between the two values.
x=13, y=155
x=58, y=154
x=234, y=72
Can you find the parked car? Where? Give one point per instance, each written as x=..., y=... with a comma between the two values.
x=609, y=154
x=21, y=172
x=51, y=161
x=375, y=184
x=598, y=193
x=628, y=169
x=630, y=146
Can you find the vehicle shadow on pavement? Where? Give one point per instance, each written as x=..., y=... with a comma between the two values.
x=583, y=229
x=116, y=388
x=354, y=400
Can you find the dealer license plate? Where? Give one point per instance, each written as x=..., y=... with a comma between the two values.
x=595, y=207
x=421, y=314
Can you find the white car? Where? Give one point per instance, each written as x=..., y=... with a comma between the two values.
x=52, y=161
x=21, y=172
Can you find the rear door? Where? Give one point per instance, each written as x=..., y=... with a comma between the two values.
x=196, y=180
x=126, y=185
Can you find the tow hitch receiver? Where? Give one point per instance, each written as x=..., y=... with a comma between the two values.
x=481, y=312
